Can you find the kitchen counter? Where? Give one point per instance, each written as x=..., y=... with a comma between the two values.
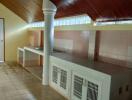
x=103, y=67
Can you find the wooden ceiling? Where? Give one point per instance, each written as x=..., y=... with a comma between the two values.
x=31, y=10
x=28, y=10
x=103, y=10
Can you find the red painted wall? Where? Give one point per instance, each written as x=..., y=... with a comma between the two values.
x=115, y=47
x=80, y=41
x=34, y=38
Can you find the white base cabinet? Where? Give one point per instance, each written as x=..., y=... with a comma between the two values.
x=102, y=82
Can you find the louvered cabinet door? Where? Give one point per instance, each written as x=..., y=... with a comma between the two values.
x=55, y=75
x=85, y=88
x=63, y=81
x=59, y=78
x=77, y=87
x=92, y=91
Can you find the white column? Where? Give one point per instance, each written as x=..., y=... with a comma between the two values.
x=93, y=51
x=91, y=47
x=49, y=10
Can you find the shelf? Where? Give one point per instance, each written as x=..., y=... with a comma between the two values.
x=35, y=50
x=35, y=70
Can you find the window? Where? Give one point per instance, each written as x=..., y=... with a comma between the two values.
x=113, y=23
x=74, y=20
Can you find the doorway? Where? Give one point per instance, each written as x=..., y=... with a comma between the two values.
x=2, y=40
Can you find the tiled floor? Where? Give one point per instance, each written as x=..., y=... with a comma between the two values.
x=35, y=70
x=18, y=84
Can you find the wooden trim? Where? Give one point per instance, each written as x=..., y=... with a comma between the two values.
x=41, y=38
x=97, y=46
x=4, y=35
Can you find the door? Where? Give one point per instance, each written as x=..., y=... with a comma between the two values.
x=1, y=40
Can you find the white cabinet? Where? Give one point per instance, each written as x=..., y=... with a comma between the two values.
x=85, y=88
x=102, y=81
x=77, y=82
x=59, y=79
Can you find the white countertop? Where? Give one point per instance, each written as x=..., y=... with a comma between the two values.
x=35, y=50
x=21, y=49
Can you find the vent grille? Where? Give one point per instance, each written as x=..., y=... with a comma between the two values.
x=55, y=74
x=92, y=91
x=78, y=82
x=63, y=79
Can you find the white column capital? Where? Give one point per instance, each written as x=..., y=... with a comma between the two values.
x=49, y=7
x=49, y=12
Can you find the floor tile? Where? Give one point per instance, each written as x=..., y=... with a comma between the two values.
x=18, y=84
